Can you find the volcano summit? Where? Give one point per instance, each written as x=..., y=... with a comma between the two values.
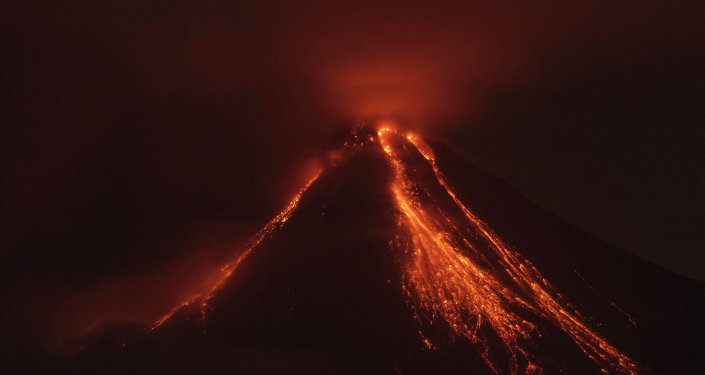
x=400, y=258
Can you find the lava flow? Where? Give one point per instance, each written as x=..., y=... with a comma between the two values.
x=464, y=274
x=200, y=300
x=456, y=269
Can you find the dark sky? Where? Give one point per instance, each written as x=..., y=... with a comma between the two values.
x=137, y=134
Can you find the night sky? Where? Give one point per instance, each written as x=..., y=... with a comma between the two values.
x=148, y=137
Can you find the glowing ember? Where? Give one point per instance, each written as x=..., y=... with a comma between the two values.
x=450, y=274
x=200, y=300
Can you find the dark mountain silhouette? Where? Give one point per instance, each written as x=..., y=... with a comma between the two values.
x=332, y=287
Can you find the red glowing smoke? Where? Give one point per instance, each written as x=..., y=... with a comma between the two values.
x=427, y=63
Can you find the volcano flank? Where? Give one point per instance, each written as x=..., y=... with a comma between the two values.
x=399, y=257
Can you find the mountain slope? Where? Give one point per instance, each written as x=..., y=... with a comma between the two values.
x=402, y=258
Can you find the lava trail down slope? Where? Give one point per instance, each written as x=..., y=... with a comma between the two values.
x=399, y=257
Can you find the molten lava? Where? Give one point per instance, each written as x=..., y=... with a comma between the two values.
x=466, y=275
x=200, y=300
x=456, y=269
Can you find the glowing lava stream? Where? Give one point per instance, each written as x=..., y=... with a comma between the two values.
x=447, y=276
x=449, y=273
x=200, y=300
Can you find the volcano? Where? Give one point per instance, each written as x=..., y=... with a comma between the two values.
x=399, y=257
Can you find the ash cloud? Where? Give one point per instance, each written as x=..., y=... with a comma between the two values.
x=429, y=63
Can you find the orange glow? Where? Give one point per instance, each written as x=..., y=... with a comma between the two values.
x=466, y=275
x=200, y=300
x=456, y=269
